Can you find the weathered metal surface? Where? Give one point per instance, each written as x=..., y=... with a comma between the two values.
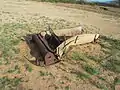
x=48, y=47
x=40, y=49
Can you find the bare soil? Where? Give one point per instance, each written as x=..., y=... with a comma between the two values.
x=66, y=75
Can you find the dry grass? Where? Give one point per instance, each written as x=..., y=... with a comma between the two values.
x=110, y=47
x=11, y=57
x=94, y=64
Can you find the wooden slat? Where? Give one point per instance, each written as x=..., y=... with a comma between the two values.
x=67, y=32
x=76, y=40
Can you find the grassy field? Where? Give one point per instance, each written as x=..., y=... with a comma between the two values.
x=11, y=36
x=92, y=66
x=95, y=66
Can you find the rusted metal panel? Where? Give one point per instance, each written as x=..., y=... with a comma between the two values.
x=48, y=47
x=40, y=50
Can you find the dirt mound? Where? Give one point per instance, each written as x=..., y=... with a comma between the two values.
x=60, y=75
x=81, y=68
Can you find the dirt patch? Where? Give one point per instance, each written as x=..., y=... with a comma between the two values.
x=79, y=69
x=93, y=49
x=94, y=8
x=58, y=75
x=23, y=48
x=84, y=68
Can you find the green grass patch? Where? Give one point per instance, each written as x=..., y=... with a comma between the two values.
x=99, y=85
x=112, y=47
x=116, y=81
x=83, y=76
x=28, y=67
x=15, y=69
x=101, y=78
x=114, y=43
x=97, y=59
x=11, y=33
x=67, y=88
x=45, y=73
x=9, y=39
x=91, y=70
x=112, y=64
x=78, y=56
x=9, y=84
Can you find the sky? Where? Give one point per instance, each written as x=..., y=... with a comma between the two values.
x=101, y=0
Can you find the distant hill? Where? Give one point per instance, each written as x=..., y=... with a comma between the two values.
x=114, y=2
x=105, y=2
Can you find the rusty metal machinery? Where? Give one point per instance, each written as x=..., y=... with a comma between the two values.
x=43, y=47
x=48, y=47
